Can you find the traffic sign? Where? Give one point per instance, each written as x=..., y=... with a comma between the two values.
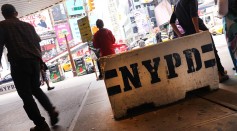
x=85, y=29
x=78, y=8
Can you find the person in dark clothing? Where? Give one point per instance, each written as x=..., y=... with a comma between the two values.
x=158, y=37
x=45, y=79
x=103, y=40
x=24, y=55
x=228, y=10
x=186, y=11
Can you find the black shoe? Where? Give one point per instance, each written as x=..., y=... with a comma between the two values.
x=100, y=77
x=223, y=77
x=53, y=117
x=43, y=127
x=50, y=88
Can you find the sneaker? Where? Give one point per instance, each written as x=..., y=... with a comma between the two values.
x=43, y=127
x=50, y=88
x=53, y=117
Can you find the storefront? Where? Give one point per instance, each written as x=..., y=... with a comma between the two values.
x=132, y=22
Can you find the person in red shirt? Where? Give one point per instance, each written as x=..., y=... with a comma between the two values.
x=103, y=40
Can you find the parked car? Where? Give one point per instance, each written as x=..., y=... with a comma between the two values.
x=67, y=66
x=217, y=30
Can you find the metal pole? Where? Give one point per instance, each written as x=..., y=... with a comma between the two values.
x=71, y=59
x=85, y=7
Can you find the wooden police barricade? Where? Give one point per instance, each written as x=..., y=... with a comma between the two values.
x=161, y=73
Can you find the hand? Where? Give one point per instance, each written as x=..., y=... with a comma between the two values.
x=180, y=35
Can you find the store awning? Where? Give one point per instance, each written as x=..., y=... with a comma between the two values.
x=65, y=53
x=26, y=7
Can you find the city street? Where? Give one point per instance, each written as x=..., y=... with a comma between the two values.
x=84, y=105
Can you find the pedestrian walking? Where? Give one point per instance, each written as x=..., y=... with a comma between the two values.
x=228, y=10
x=24, y=55
x=103, y=40
x=186, y=11
x=44, y=76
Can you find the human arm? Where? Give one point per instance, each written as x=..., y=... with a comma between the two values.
x=222, y=7
x=195, y=24
x=36, y=41
x=174, y=26
x=111, y=36
x=95, y=41
x=193, y=7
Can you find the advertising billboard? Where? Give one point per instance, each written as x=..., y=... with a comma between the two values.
x=75, y=30
x=41, y=21
x=48, y=49
x=58, y=12
x=141, y=20
x=62, y=30
x=75, y=7
x=163, y=12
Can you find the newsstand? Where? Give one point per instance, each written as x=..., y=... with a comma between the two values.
x=80, y=66
x=56, y=73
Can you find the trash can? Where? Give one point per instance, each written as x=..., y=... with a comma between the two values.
x=80, y=66
x=56, y=74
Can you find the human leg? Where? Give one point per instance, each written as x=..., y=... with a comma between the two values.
x=21, y=71
x=233, y=58
x=41, y=96
x=221, y=71
x=100, y=76
x=45, y=79
x=47, y=82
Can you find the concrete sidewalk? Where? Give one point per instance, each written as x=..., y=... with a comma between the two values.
x=206, y=112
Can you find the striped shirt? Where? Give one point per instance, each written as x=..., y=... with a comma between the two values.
x=20, y=39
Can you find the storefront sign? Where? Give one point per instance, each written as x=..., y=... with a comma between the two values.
x=62, y=30
x=161, y=73
x=41, y=21
x=48, y=49
x=75, y=7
